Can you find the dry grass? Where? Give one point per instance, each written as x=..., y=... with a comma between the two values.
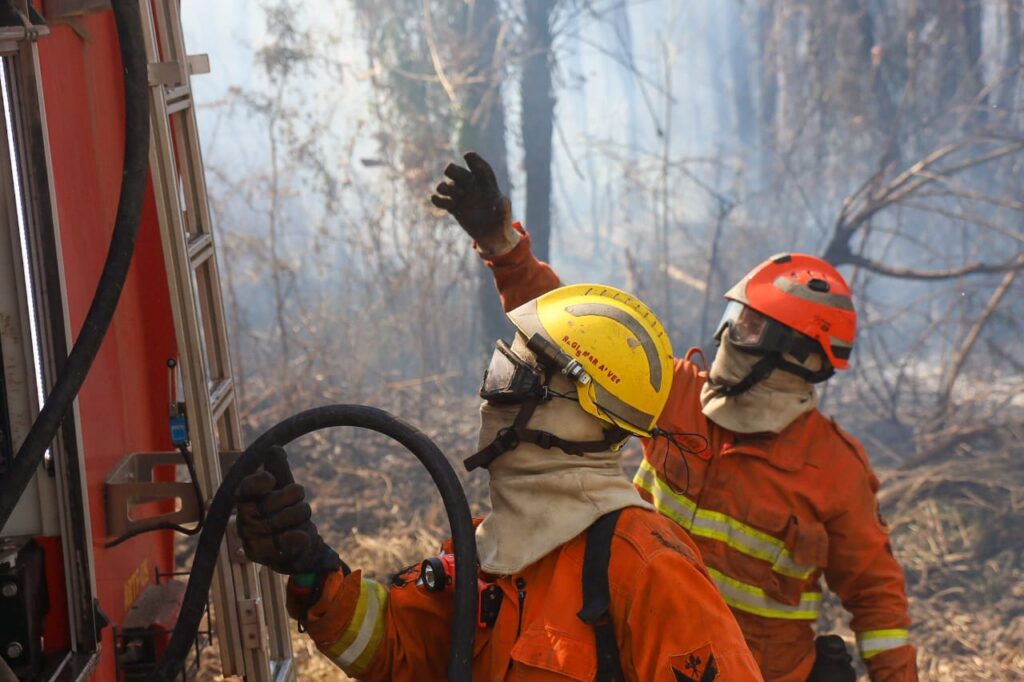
x=958, y=531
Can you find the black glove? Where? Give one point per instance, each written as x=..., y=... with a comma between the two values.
x=475, y=201
x=833, y=662
x=275, y=523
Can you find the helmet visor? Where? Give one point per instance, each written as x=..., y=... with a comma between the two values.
x=747, y=327
x=755, y=332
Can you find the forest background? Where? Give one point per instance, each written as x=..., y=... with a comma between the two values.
x=664, y=147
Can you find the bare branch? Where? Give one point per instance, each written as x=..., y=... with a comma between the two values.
x=435, y=57
x=859, y=261
x=975, y=331
x=872, y=197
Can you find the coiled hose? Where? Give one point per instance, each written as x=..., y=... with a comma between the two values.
x=331, y=416
x=119, y=257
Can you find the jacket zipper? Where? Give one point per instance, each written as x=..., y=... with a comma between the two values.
x=521, y=592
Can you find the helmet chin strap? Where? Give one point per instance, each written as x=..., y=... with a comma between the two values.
x=510, y=437
x=768, y=363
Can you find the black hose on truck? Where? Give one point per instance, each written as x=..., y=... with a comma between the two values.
x=331, y=416
x=119, y=257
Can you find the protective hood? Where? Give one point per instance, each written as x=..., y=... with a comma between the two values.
x=542, y=498
x=769, y=406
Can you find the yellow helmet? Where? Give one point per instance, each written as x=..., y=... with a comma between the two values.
x=614, y=348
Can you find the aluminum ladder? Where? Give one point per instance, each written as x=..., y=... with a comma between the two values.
x=251, y=621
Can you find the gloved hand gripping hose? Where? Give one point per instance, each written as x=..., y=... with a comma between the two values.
x=119, y=257
x=360, y=416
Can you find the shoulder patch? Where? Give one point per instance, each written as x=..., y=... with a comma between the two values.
x=698, y=665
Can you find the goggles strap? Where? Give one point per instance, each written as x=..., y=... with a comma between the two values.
x=807, y=375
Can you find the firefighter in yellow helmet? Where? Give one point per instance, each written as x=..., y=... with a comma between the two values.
x=580, y=578
x=781, y=497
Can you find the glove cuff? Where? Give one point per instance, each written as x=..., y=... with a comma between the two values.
x=498, y=245
x=304, y=581
x=305, y=589
x=301, y=596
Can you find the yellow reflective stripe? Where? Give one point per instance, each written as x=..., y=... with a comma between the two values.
x=358, y=644
x=737, y=535
x=679, y=508
x=718, y=526
x=352, y=631
x=873, y=642
x=362, y=662
x=751, y=599
x=786, y=566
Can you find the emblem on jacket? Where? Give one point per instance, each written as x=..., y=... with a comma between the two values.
x=697, y=666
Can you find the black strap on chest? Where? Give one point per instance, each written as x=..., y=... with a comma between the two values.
x=596, y=610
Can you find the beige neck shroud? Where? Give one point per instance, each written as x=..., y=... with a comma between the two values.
x=770, y=406
x=541, y=499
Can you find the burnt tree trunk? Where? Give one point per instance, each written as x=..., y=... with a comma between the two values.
x=768, y=85
x=970, y=13
x=538, y=103
x=1014, y=53
x=742, y=90
x=482, y=129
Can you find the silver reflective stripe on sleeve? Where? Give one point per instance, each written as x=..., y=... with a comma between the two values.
x=354, y=651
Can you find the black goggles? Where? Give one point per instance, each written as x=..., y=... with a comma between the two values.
x=508, y=379
x=757, y=333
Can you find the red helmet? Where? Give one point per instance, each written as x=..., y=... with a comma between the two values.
x=804, y=294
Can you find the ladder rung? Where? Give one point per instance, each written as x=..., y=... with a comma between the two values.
x=165, y=73
x=177, y=99
x=221, y=394
x=200, y=249
x=178, y=106
x=198, y=64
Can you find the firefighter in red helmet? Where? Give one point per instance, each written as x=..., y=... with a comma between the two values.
x=782, y=496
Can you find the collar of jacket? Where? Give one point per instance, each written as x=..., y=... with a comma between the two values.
x=788, y=451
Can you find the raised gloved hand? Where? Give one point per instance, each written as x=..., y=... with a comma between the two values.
x=274, y=521
x=475, y=201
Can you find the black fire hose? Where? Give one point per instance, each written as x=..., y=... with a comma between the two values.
x=331, y=416
x=119, y=257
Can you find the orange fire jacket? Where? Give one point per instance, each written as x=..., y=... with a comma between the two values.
x=670, y=622
x=770, y=515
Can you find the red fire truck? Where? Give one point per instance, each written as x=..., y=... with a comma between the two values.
x=88, y=588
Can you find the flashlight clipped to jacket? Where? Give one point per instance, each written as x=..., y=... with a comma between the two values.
x=437, y=574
